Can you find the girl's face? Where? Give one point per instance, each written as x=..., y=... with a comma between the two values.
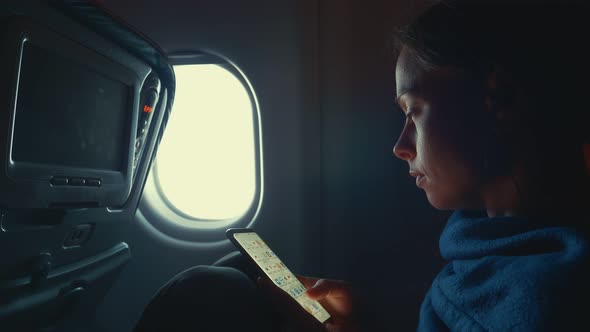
x=441, y=136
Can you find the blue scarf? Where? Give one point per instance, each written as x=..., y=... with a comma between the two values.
x=508, y=274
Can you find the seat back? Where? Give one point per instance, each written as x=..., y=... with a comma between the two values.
x=58, y=261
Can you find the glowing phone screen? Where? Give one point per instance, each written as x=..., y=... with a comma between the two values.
x=279, y=274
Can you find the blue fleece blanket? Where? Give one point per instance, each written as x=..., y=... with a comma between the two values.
x=509, y=274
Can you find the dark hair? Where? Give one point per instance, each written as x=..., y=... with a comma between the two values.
x=540, y=44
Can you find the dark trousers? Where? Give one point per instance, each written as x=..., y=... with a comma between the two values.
x=220, y=298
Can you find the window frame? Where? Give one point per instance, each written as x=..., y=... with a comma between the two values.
x=159, y=212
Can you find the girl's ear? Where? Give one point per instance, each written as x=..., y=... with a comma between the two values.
x=586, y=151
x=501, y=91
x=504, y=101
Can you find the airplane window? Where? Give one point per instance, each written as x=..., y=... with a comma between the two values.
x=206, y=167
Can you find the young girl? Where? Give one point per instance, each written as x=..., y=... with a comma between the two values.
x=496, y=129
x=495, y=101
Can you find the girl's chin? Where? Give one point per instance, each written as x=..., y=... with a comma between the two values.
x=440, y=203
x=447, y=203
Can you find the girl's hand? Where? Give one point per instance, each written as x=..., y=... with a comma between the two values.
x=337, y=298
x=334, y=295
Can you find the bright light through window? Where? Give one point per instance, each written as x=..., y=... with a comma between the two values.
x=206, y=160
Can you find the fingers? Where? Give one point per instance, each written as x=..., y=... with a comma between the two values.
x=288, y=307
x=334, y=295
x=328, y=289
x=322, y=288
x=308, y=282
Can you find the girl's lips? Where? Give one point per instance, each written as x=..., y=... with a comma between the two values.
x=419, y=177
x=419, y=180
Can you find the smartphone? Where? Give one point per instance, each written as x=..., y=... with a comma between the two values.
x=253, y=247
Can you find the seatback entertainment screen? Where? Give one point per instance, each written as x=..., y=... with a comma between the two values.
x=69, y=128
x=69, y=115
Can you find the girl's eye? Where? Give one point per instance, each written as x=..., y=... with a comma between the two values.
x=410, y=118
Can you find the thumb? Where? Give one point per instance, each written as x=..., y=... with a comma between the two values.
x=320, y=290
x=325, y=288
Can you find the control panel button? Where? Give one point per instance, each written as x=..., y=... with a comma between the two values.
x=93, y=182
x=77, y=181
x=151, y=98
x=138, y=143
x=58, y=181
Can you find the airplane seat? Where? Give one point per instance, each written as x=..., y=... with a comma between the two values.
x=86, y=100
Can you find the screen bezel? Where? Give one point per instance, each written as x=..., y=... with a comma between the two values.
x=34, y=101
x=93, y=60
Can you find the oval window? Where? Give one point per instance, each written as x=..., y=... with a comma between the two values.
x=206, y=165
